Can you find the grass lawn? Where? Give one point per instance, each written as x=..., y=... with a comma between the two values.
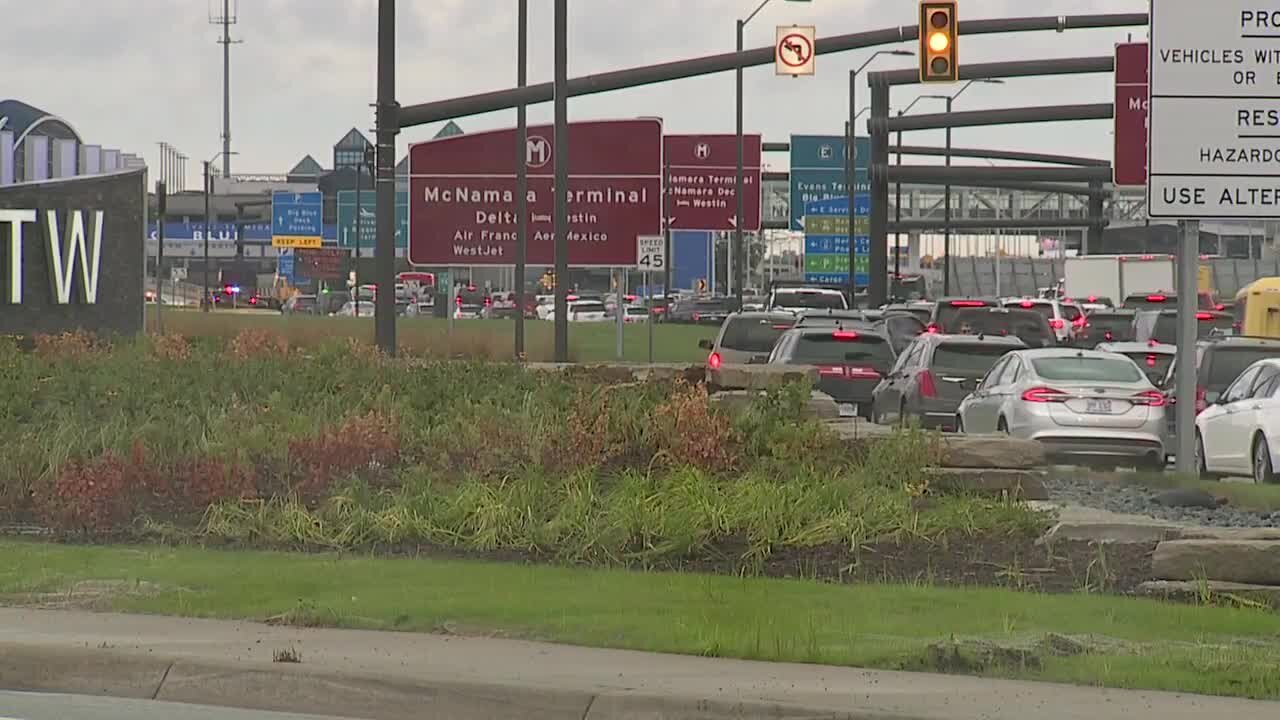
x=589, y=342
x=1124, y=642
x=1245, y=495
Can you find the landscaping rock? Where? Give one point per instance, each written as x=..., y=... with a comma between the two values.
x=1188, y=497
x=820, y=405
x=1147, y=534
x=1017, y=484
x=759, y=377
x=1196, y=591
x=991, y=451
x=1220, y=533
x=1242, y=561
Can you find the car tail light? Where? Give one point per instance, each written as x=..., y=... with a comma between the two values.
x=844, y=335
x=968, y=303
x=1150, y=398
x=697, y=317
x=928, y=388
x=1202, y=400
x=831, y=370
x=1044, y=395
x=1151, y=361
x=1107, y=336
x=1236, y=326
x=1157, y=298
x=1202, y=316
x=1027, y=304
x=932, y=328
x=1079, y=321
x=1219, y=307
x=863, y=373
x=714, y=361
x=1057, y=324
x=488, y=302
x=458, y=301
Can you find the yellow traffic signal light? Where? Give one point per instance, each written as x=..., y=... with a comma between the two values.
x=938, y=35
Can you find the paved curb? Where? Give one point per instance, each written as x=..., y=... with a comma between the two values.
x=294, y=688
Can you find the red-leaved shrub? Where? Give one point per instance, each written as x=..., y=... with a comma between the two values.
x=369, y=442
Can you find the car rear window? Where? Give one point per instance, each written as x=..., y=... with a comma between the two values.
x=587, y=307
x=969, y=359
x=1070, y=312
x=946, y=312
x=1026, y=325
x=1154, y=365
x=808, y=299
x=753, y=335
x=1045, y=309
x=1120, y=326
x=1086, y=369
x=1166, y=327
x=1226, y=364
x=843, y=347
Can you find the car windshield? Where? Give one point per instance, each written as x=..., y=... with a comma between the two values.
x=968, y=359
x=808, y=299
x=1154, y=365
x=1226, y=364
x=1166, y=327
x=1120, y=326
x=843, y=347
x=1086, y=368
x=756, y=335
x=1026, y=325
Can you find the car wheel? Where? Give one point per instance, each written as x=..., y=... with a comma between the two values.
x=1002, y=427
x=1202, y=466
x=1263, y=471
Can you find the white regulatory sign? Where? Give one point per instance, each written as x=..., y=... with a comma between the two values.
x=1214, y=146
x=651, y=253
x=793, y=50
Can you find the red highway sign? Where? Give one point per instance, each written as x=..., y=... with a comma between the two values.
x=703, y=181
x=1130, y=158
x=462, y=205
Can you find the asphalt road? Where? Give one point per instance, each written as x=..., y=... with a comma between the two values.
x=38, y=706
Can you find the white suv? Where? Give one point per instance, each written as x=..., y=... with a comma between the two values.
x=1066, y=319
x=799, y=299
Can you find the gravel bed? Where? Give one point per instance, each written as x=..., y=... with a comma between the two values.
x=1135, y=499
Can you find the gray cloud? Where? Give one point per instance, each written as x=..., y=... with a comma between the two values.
x=130, y=74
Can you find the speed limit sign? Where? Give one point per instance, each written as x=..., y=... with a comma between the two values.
x=651, y=253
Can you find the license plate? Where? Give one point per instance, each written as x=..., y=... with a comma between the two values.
x=848, y=409
x=1100, y=407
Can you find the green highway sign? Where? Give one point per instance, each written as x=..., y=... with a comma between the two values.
x=369, y=219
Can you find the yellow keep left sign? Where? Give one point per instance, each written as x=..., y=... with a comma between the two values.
x=295, y=241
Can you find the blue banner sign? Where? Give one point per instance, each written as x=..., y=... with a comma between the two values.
x=817, y=171
x=827, y=237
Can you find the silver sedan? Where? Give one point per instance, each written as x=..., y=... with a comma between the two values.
x=1081, y=405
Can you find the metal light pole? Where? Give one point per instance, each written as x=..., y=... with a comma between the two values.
x=561, y=160
x=355, y=290
x=208, y=188
x=522, y=171
x=946, y=218
x=850, y=150
x=388, y=126
x=736, y=252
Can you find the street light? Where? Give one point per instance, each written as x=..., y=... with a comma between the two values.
x=735, y=272
x=850, y=150
x=208, y=182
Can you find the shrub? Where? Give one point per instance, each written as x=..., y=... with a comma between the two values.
x=174, y=348
x=68, y=345
x=96, y=494
x=368, y=442
x=256, y=343
x=691, y=432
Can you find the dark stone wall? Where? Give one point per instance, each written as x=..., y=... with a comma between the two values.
x=119, y=305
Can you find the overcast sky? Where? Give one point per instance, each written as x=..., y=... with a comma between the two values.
x=131, y=73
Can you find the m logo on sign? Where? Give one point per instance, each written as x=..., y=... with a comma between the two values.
x=537, y=151
x=702, y=151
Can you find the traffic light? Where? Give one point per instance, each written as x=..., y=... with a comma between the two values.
x=938, y=36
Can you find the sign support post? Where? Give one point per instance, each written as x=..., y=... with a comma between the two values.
x=1185, y=381
x=618, y=309
x=649, y=319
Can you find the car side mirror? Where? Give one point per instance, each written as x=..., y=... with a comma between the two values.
x=705, y=344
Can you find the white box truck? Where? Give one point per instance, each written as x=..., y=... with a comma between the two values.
x=1118, y=276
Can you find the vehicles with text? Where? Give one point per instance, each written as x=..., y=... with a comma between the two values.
x=1081, y=405
x=1118, y=276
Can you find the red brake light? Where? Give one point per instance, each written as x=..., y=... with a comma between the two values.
x=1151, y=361
x=1079, y=321
x=1203, y=316
x=488, y=302
x=1107, y=335
x=968, y=303
x=828, y=370
x=458, y=301
x=1157, y=298
x=1044, y=395
x=1202, y=401
x=697, y=317
x=1056, y=323
x=1093, y=298
x=1219, y=307
x=782, y=327
x=863, y=373
x=932, y=328
x=714, y=361
x=844, y=335
x=1027, y=304
x=928, y=388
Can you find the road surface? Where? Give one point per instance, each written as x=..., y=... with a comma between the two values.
x=38, y=706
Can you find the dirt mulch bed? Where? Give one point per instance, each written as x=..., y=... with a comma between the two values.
x=1015, y=562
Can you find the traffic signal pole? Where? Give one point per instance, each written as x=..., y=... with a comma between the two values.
x=388, y=126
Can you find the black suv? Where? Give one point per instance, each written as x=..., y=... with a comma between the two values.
x=1028, y=326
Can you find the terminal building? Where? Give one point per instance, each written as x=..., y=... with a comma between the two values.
x=38, y=145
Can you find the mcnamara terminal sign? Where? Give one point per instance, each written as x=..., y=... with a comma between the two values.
x=71, y=255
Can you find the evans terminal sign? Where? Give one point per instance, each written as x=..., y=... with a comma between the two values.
x=462, y=195
x=1214, y=149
